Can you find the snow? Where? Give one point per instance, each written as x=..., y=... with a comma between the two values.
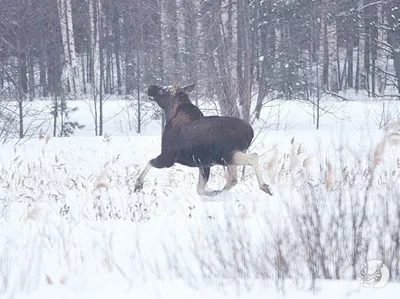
x=71, y=227
x=172, y=289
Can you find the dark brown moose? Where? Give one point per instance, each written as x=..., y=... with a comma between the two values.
x=195, y=140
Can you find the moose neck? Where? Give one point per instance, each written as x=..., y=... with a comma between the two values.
x=170, y=111
x=180, y=98
x=180, y=113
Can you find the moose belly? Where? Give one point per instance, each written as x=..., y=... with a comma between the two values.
x=195, y=161
x=205, y=157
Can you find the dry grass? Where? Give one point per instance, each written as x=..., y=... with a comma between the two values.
x=325, y=204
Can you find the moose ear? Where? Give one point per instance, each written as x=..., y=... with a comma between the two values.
x=189, y=88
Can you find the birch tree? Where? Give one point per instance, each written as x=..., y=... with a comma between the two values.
x=244, y=57
x=70, y=71
x=392, y=11
x=95, y=64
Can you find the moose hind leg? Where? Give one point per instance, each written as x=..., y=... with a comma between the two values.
x=240, y=158
x=231, y=177
x=162, y=161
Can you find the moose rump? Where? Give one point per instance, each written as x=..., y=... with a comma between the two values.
x=195, y=140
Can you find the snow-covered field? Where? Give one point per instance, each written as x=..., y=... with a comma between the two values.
x=71, y=226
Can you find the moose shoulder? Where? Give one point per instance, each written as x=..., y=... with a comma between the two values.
x=195, y=140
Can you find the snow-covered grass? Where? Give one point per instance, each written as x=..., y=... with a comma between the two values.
x=72, y=227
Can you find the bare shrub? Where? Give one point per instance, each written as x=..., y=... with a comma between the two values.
x=346, y=215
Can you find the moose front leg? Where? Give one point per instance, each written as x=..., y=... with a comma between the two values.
x=204, y=175
x=165, y=160
x=140, y=179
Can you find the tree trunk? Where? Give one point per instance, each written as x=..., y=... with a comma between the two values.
x=117, y=36
x=349, y=54
x=190, y=38
x=325, y=70
x=357, y=79
x=129, y=45
x=31, y=76
x=171, y=42
x=263, y=77
x=393, y=36
x=367, y=47
x=68, y=40
x=102, y=73
x=244, y=58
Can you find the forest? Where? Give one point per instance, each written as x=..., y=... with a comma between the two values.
x=241, y=53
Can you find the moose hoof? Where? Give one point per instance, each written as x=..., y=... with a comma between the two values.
x=266, y=189
x=213, y=193
x=138, y=186
x=210, y=193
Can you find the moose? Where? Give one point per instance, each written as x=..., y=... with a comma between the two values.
x=192, y=139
